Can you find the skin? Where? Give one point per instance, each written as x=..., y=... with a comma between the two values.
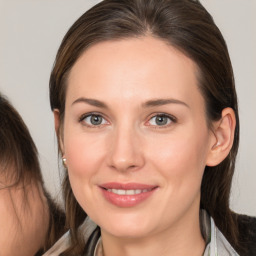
x=129, y=146
x=23, y=224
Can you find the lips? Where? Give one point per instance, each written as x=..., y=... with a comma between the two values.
x=126, y=195
x=128, y=192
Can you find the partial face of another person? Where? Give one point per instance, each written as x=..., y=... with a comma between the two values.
x=23, y=220
x=135, y=136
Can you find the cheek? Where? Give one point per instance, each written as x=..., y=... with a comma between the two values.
x=21, y=224
x=85, y=155
x=181, y=163
x=7, y=217
x=181, y=157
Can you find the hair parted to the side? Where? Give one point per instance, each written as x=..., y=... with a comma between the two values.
x=187, y=26
x=19, y=166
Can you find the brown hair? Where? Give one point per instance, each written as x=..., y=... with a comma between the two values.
x=187, y=26
x=20, y=165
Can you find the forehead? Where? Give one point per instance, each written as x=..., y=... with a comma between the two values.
x=135, y=67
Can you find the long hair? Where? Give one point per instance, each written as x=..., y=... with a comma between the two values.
x=187, y=26
x=20, y=167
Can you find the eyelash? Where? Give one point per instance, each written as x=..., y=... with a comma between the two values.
x=84, y=116
x=171, y=118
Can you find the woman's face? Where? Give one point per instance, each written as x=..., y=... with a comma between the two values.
x=135, y=137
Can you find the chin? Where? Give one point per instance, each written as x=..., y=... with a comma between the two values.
x=127, y=232
x=127, y=227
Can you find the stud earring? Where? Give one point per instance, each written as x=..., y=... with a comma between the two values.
x=64, y=162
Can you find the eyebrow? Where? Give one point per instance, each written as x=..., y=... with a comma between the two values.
x=92, y=102
x=161, y=102
x=147, y=104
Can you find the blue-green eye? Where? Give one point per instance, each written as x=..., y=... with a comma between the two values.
x=93, y=120
x=161, y=120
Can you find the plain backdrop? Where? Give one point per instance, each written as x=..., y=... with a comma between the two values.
x=30, y=34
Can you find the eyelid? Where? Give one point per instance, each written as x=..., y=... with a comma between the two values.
x=83, y=116
x=171, y=117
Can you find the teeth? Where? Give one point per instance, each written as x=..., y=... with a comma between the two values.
x=128, y=192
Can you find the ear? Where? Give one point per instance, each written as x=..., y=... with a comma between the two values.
x=58, y=131
x=223, y=137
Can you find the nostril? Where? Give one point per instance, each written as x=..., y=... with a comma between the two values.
x=123, y=167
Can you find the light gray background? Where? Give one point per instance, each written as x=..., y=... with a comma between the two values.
x=30, y=33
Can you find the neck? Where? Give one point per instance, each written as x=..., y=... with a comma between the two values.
x=182, y=240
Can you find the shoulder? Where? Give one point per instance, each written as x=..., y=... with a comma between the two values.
x=90, y=234
x=60, y=246
x=247, y=232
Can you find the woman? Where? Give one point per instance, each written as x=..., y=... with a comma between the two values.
x=146, y=116
x=29, y=220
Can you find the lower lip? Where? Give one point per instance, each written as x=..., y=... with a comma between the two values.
x=126, y=200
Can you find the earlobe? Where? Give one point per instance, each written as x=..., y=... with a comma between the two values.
x=223, y=133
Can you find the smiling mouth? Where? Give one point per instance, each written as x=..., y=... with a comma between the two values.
x=127, y=195
x=122, y=192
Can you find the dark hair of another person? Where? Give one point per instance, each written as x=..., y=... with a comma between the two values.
x=188, y=27
x=20, y=165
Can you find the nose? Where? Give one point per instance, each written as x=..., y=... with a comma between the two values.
x=125, y=151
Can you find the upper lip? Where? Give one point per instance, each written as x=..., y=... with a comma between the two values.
x=126, y=186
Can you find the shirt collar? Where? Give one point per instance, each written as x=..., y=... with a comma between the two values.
x=216, y=243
